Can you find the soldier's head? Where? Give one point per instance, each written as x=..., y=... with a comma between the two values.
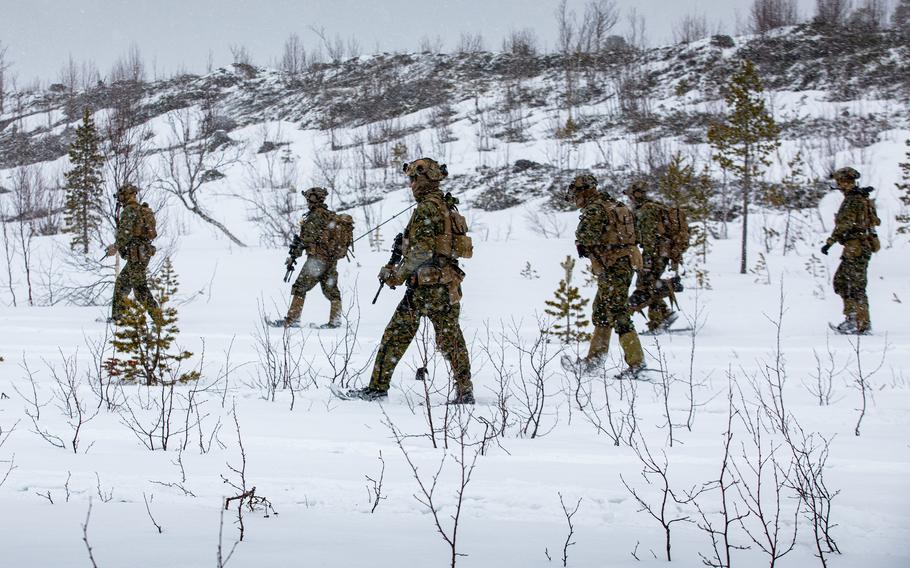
x=637, y=190
x=582, y=188
x=127, y=192
x=845, y=178
x=425, y=172
x=315, y=196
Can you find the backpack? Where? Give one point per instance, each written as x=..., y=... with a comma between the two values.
x=621, y=229
x=339, y=236
x=454, y=242
x=676, y=231
x=145, y=223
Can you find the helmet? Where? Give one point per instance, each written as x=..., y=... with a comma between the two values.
x=315, y=194
x=426, y=167
x=580, y=183
x=638, y=188
x=127, y=189
x=846, y=174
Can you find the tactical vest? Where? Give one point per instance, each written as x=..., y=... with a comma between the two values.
x=450, y=245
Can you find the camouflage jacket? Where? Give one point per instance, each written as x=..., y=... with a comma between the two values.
x=856, y=218
x=426, y=223
x=313, y=231
x=593, y=223
x=128, y=227
x=649, y=227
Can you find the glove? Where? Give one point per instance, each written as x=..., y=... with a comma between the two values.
x=291, y=261
x=826, y=248
x=111, y=250
x=582, y=250
x=388, y=276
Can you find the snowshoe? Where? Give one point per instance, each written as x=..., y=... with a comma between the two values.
x=279, y=323
x=366, y=393
x=637, y=373
x=581, y=365
x=329, y=325
x=462, y=398
x=848, y=327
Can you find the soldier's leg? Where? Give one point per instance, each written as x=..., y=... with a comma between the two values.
x=658, y=310
x=840, y=283
x=620, y=275
x=141, y=289
x=602, y=320
x=395, y=340
x=308, y=278
x=856, y=291
x=449, y=337
x=122, y=288
x=329, y=284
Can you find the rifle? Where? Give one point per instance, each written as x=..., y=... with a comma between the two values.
x=389, y=220
x=293, y=253
x=393, y=261
x=666, y=288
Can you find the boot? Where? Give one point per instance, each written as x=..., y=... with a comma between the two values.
x=369, y=394
x=334, y=315
x=466, y=397
x=600, y=345
x=631, y=348
x=294, y=310
x=861, y=317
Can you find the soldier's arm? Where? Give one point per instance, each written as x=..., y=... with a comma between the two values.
x=425, y=225
x=649, y=227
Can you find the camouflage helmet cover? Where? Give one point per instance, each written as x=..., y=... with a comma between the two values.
x=427, y=168
x=847, y=173
x=127, y=189
x=638, y=188
x=315, y=194
x=581, y=182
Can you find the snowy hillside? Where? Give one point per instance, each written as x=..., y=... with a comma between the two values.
x=547, y=469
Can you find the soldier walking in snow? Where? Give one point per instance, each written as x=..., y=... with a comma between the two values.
x=433, y=241
x=135, y=232
x=326, y=237
x=652, y=235
x=854, y=228
x=606, y=236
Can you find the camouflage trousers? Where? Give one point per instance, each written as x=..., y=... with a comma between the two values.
x=611, y=303
x=433, y=303
x=318, y=271
x=133, y=278
x=649, y=281
x=850, y=283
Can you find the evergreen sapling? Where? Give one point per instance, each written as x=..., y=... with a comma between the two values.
x=568, y=309
x=83, y=185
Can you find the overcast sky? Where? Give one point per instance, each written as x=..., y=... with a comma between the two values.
x=178, y=34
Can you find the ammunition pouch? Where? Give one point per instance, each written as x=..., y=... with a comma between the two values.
x=140, y=252
x=614, y=254
x=448, y=274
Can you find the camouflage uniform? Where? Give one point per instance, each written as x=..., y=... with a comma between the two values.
x=649, y=229
x=433, y=291
x=614, y=269
x=319, y=268
x=137, y=250
x=854, y=228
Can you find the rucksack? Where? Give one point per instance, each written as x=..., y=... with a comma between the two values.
x=621, y=229
x=454, y=242
x=676, y=231
x=339, y=236
x=145, y=223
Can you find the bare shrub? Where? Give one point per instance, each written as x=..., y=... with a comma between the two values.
x=766, y=15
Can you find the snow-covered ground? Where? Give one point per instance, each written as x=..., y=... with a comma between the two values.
x=314, y=457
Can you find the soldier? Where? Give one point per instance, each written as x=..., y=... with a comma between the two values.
x=430, y=271
x=854, y=228
x=321, y=266
x=650, y=289
x=135, y=232
x=606, y=236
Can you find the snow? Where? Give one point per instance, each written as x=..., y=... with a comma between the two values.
x=312, y=461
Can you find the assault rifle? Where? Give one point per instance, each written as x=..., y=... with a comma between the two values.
x=393, y=261
x=664, y=288
x=293, y=253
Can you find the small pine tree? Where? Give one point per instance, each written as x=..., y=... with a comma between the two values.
x=903, y=218
x=83, y=185
x=568, y=309
x=145, y=341
x=744, y=139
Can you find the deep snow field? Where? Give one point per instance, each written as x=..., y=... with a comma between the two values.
x=310, y=454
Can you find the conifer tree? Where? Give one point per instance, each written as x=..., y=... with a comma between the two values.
x=680, y=186
x=83, y=185
x=903, y=218
x=745, y=137
x=568, y=309
x=144, y=340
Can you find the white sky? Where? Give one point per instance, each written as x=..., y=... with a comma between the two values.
x=174, y=34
